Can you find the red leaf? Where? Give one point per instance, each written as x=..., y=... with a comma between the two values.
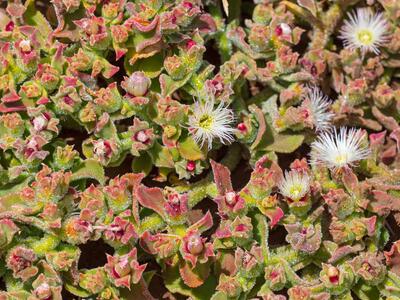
x=222, y=178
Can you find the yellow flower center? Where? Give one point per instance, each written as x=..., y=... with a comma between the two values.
x=205, y=121
x=295, y=191
x=341, y=159
x=365, y=36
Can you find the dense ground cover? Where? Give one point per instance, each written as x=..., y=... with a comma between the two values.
x=199, y=149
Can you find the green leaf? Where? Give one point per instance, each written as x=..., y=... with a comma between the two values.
x=10, y=197
x=12, y=188
x=169, y=85
x=142, y=164
x=45, y=244
x=34, y=17
x=189, y=150
x=364, y=291
x=174, y=284
x=220, y=296
x=285, y=143
x=77, y=291
x=161, y=156
x=151, y=66
x=261, y=233
x=89, y=169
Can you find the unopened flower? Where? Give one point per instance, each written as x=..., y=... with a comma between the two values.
x=103, y=150
x=207, y=123
x=337, y=279
x=124, y=270
x=21, y=261
x=364, y=30
x=339, y=149
x=319, y=107
x=137, y=84
x=294, y=185
x=283, y=29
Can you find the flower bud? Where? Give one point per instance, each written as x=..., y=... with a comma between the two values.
x=195, y=244
x=25, y=46
x=141, y=136
x=40, y=122
x=43, y=291
x=242, y=127
x=122, y=268
x=333, y=274
x=137, y=84
x=283, y=29
x=231, y=198
x=191, y=166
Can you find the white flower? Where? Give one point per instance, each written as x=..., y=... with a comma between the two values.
x=319, y=107
x=295, y=185
x=364, y=30
x=207, y=123
x=338, y=149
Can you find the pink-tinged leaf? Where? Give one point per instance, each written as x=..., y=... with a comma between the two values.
x=226, y=261
x=203, y=224
x=109, y=71
x=393, y=258
x=142, y=25
x=43, y=100
x=166, y=244
x=190, y=278
x=207, y=24
x=120, y=52
x=147, y=242
x=10, y=97
x=134, y=180
x=59, y=55
x=389, y=123
x=395, y=135
x=350, y=181
x=123, y=282
x=377, y=139
x=124, y=270
x=343, y=251
x=154, y=43
x=222, y=178
x=223, y=232
x=5, y=109
x=389, y=154
x=70, y=81
x=274, y=215
x=383, y=203
x=15, y=9
x=370, y=224
x=152, y=198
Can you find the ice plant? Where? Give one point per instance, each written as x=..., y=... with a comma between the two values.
x=295, y=185
x=365, y=30
x=319, y=105
x=339, y=148
x=208, y=122
x=158, y=150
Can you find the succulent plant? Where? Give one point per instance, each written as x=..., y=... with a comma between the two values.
x=229, y=149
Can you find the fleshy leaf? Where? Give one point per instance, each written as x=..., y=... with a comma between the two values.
x=89, y=169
